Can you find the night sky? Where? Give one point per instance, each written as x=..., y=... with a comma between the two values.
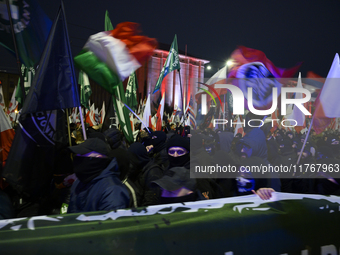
x=286, y=31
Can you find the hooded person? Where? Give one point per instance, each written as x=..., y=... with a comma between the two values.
x=248, y=181
x=98, y=186
x=333, y=143
x=113, y=137
x=225, y=139
x=209, y=145
x=328, y=178
x=254, y=144
x=255, y=138
x=129, y=166
x=178, y=149
x=146, y=170
x=158, y=141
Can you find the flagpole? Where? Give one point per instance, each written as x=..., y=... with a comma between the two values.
x=305, y=141
x=82, y=123
x=180, y=83
x=16, y=52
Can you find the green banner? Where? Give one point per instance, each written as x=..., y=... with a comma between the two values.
x=287, y=224
x=172, y=63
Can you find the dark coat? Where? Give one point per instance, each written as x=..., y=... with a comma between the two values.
x=257, y=141
x=103, y=193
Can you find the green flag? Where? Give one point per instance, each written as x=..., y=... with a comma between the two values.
x=85, y=89
x=118, y=92
x=171, y=63
x=28, y=74
x=108, y=24
x=131, y=92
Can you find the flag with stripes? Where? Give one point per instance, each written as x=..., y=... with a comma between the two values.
x=191, y=116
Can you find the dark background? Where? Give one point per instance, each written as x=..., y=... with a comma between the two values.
x=286, y=31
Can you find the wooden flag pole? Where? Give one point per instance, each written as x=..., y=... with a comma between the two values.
x=16, y=53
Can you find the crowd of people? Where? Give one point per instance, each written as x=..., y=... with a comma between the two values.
x=104, y=172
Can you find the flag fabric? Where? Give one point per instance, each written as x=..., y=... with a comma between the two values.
x=172, y=63
x=131, y=92
x=238, y=127
x=296, y=114
x=52, y=88
x=122, y=113
x=31, y=28
x=143, y=106
x=326, y=104
x=96, y=116
x=108, y=25
x=42, y=122
x=85, y=89
x=28, y=74
x=132, y=123
x=111, y=56
x=160, y=113
x=147, y=114
x=90, y=116
x=191, y=116
x=74, y=115
x=13, y=107
x=102, y=114
x=252, y=63
x=6, y=136
x=173, y=114
x=2, y=99
x=243, y=55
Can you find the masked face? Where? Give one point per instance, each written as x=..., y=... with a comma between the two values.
x=177, y=151
x=246, y=151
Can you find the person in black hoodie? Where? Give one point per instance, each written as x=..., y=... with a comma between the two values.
x=159, y=152
x=144, y=172
x=178, y=149
x=98, y=186
x=255, y=140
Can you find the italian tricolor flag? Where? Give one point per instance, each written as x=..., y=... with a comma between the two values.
x=110, y=57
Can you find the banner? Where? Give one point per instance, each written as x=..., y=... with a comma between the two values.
x=31, y=27
x=287, y=224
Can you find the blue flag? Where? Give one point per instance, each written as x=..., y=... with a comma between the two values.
x=31, y=160
x=31, y=27
x=54, y=85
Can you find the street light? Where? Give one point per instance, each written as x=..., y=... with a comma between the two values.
x=228, y=64
x=208, y=67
